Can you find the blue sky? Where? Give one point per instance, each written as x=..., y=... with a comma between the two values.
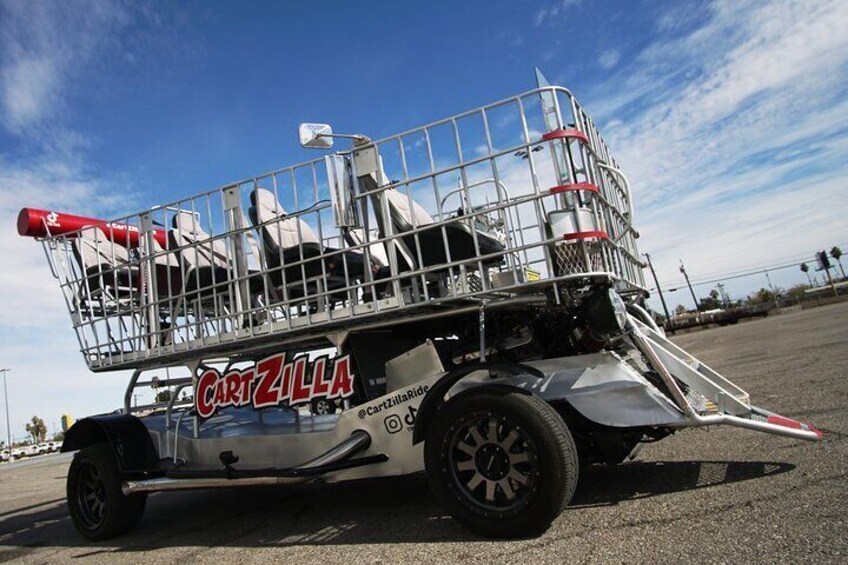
x=730, y=117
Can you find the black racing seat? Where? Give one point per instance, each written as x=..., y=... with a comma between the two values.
x=169, y=273
x=105, y=267
x=293, y=252
x=406, y=214
x=376, y=251
x=205, y=263
x=379, y=260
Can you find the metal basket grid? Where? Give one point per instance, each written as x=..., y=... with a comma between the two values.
x=208, y=275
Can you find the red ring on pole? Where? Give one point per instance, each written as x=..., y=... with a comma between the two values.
x=586, y=235
x=574, y=186
x=566, y=133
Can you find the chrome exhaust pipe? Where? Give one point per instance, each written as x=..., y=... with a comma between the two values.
x=164, y=483
x=358, y=441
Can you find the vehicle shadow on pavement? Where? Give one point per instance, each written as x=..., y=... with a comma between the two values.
x=602, y=485
x=377, y=511
x=398, y=510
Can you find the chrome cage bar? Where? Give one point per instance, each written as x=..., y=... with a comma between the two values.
x=517, y=197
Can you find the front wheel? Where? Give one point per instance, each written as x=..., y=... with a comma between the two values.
x=501, y=461
x=98, y=507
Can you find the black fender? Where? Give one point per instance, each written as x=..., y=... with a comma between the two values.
x=125, y=434
x=435, y=397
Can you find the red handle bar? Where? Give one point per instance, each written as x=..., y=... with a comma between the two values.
x=33, y=222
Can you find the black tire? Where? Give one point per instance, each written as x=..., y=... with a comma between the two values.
x=98, y=507
x=540, y=471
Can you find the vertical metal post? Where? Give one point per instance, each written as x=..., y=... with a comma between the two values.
x=8, y=427
x=659, y=289
x=194, y=367
x=238, y=263
x=483, y=331
x=149, y=294
x=829, y=278
x=686, y=275
x=724, y=297
x=773, y=291
x=129, y=392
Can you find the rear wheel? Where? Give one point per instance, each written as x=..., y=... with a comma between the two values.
x=98, y=507
x=501, y=461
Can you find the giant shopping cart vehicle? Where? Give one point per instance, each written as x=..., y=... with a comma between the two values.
x=465, y=298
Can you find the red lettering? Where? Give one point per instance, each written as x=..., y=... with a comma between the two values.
x=272, y=381
x=342, y=384
x=299, y=390
x=285, y=389
x=219, y=393
x=319, y=385
x=268, y=371
x=246, y=378
x=205, y=385
x=232, y=382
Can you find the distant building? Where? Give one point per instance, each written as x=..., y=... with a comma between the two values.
x=67, y=422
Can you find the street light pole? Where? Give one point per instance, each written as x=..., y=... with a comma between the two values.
x=724, y=298
x=686, y=275
x=659, y=289
x=6, y=397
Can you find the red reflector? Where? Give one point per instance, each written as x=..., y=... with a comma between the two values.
x=785, y=422
x=586, y=235
x=567, y=134
x=574, y=186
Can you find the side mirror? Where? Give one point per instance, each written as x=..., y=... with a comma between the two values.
x=315, y=136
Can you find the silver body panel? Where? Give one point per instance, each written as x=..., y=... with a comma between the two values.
x=602, y=387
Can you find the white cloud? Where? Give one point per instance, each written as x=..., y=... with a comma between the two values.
x=551, y=12
x=47, y=53
x=609, y=58
x=676, y=17
x=734, y=136
x=45, y=47
x=29, y=89
x=48, y=377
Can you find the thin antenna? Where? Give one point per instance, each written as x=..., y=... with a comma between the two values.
x=548, y=106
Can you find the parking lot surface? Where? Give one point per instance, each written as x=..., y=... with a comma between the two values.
x=715, y=495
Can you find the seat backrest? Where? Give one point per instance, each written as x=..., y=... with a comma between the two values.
x=402, y=210
x=280, y=232
x=355, y=237
x=405, y=212
x=195, y=246
x=92, y=248
x=164, y=259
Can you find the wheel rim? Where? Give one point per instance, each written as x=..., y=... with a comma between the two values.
x=91, y=496
x=493, y=462
x=322, y=407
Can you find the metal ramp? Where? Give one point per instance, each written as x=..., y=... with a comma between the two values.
x=515, y=200
x=704, y=397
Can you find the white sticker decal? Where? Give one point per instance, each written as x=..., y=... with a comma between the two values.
x=273, y=381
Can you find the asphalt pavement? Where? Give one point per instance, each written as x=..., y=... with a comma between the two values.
x=716, y=495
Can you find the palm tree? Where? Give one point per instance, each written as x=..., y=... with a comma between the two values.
x=806, y=269
x=836, y=253
x=37, y=429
